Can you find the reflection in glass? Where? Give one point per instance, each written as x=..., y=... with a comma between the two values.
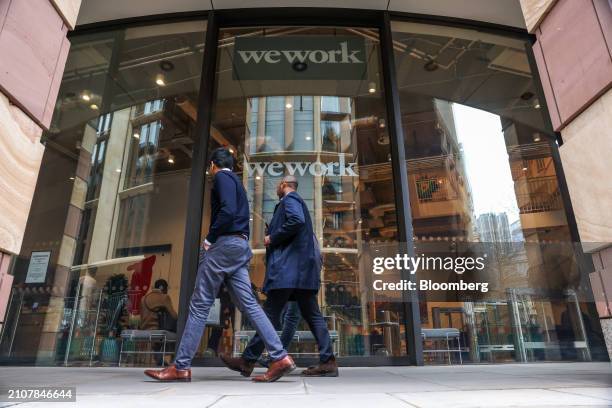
x=480, y=168
x=327, y=134
x=111, y=198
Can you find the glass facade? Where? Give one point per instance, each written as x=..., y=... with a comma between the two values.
x=110, y=202
x=110, y=211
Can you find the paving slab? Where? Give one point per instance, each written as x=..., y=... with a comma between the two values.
x=501, y=398
x=519, y=385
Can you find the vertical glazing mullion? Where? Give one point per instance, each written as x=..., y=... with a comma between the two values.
x=412, y=316
x=197, y=180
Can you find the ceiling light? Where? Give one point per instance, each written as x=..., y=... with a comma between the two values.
x=371, y=87
x=85, y=96
x=231, y=150
x=288, y=106
x=94, y=106
x=536, y=137
x=118, y=170
x=430, y=66
x=381, y=123
x=537, y=106
x=171, y=159
x=308, y=138
x=524, y=168
x=136, y=135
x=166, y=65
x=72, y=178
x=257, y=177
x=160, y=80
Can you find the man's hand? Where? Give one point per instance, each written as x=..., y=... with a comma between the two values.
x=267, y=240
x=205, y=245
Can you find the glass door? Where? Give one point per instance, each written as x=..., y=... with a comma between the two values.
x=309, y=102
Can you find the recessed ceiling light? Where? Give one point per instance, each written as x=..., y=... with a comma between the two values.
x=166, y=65
x=430, y=66
x=371, y=87
x=85, y=96
x=94, y=106
x=160, y=80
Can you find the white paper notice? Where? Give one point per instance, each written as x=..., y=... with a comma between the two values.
x=37, y=270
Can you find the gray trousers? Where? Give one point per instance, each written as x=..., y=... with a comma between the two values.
x=227, y=260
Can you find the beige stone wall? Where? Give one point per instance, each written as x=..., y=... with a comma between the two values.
x=21, y=155
x=69, y=10
x=585, y=155
x=534, y=12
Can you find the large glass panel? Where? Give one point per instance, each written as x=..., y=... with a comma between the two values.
x=327, y=127
x=482, y=179
x=109, y=211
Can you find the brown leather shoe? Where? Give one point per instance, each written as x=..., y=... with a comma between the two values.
x=327, y=369
x=169, y=374
x=277, y=370
x=244, y=367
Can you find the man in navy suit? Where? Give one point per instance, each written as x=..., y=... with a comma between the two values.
x=224, y=258
x=293, y=272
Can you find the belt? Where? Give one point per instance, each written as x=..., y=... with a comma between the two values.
x=237, y=234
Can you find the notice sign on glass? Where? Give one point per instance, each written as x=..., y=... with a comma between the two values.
x=291, y=58
x=37, y=270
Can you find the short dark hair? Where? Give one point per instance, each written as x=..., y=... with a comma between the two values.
x=161, y=284
x=291, y=181
x=222, y=158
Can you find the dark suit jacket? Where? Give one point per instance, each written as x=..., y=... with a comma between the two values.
x=293, y=256
x=229, y=207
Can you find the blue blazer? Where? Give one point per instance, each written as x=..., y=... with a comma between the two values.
x=293, y=258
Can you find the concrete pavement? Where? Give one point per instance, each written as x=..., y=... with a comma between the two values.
x=517, y=385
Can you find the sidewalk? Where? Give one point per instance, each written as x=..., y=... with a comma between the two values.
x=521, y=385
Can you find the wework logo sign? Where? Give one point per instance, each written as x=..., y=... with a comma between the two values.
x=290, y=58
x=278, y=169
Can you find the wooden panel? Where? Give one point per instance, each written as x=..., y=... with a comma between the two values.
x=576, y=56
x=534, y=12
x=33, y=46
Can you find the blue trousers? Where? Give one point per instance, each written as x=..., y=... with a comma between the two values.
x=227, y=260
x=291, y=319
x=309, y=308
